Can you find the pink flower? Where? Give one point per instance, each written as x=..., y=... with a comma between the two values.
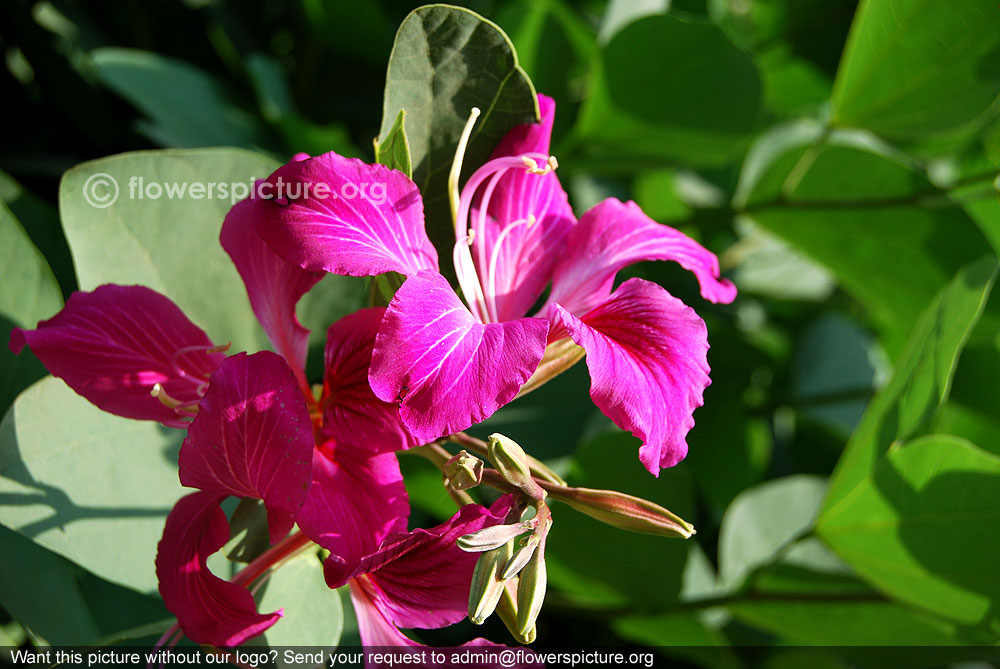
x=255, y=429
x=450, y=364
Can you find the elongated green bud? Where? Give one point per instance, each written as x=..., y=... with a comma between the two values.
x=531, y=585
x=623, y=511
x=512, y=463
x=487, y=585
x=463, y=471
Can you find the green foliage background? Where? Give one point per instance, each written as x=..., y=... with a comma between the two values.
x=841, y=158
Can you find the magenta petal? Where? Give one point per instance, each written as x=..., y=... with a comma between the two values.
x=613, y=235
x=344, y=216
x=356, y=500
x=114, y=344
x=273, y=286
x=446, y=369
x=422, y=579
x=376, y=631
x=209, y=610
x=351, y=412
x=252, y=437
x=530, y=137
x=646, y=352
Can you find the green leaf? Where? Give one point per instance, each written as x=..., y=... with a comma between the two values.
x=800, y=604
x=863, y=211
x=168, y=244
x=313, y=613
x=919, y=528
x=394, y=150
x=41, y=221
x=89, y=610
x=28, y=294
x=186, y=107
x=828, y=622
x=445, y=61
x=918, y=67
x=593, y=562
x=920, y=383
x=92, y=487
x=763, y=520
x=646, y=105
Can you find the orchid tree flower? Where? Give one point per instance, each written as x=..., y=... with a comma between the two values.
x=450, y=363
x=256, y=430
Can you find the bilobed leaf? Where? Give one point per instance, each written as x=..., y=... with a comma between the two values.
x=671, y=89
x=919, y=528
x=918, y=67
x=169, y=244
x=863, y=211
x=313, y=613
x=92, y=487
x=445, y=61
x=394, y=150
x=920, y=383
x=186, y=107
x=28, y=293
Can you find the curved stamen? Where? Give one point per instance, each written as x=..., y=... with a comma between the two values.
x=175, y=358
x=456, y=166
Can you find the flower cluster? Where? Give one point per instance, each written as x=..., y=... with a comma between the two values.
x=425, y=367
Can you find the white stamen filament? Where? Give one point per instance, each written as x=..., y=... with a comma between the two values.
x=456, y=167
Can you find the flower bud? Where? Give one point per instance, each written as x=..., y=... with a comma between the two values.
x=487, y=586
x=623, y=511
x=463, y=471
x=531, y=586
x=512, y=463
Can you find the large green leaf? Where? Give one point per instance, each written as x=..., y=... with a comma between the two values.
x=445, y=61
x=920, y=383
x=670, y=89
x=920, y=528
x=765, y=519
x=187, y=107
x=916, y=67
x=28, y=293
x=313, y=613
x=66, y=605
x=596, y=563
x=92, y=487
x=802, y=604
x=851, y=203
x=168, y=244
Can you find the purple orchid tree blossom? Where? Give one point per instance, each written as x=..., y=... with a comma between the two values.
x=256, y=430
x=449, y=364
